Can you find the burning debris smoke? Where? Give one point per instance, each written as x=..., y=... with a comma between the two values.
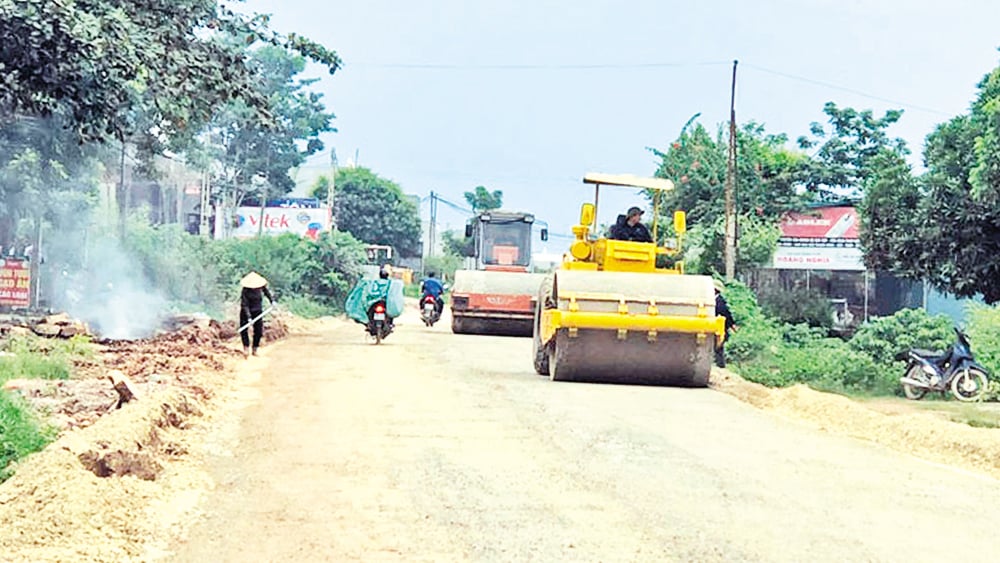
x=110, y=294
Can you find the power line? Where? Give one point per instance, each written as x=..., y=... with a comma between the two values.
x=552, y=66
x=845, y=89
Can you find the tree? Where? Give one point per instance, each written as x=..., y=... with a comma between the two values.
x=944, y=227
x=255, y=157
x=848, y=154
x=114, y=67
x=482, y=199
x=769, y=178
x=374, y=210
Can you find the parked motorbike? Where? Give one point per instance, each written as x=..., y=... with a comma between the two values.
x=429, y=312
x=379, y=322
x=955, y=369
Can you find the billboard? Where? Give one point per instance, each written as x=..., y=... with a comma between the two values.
x=304, y=222
x=822, y=223
x=818, y=258
x=15, y=283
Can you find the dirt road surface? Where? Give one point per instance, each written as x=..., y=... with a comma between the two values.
x=442, y=447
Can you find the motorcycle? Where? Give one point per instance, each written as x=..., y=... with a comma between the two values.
x=379, y=323
x=429, y=312
x=955, y=369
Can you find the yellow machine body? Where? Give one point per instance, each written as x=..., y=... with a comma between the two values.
x=609, y=314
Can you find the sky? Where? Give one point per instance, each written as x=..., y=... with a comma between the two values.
x=526, y=96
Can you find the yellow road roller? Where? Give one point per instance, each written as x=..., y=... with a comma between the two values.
x=608, y=314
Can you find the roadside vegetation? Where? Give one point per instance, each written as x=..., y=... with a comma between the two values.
x=771, y=351
x=22, y=432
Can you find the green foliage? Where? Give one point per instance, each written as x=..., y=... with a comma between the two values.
x=296, y=267
x=21, y=433
x=705, y=244
x=444, y=266
x=33, y=357
x=881, y=339
x=799, y=306
x=767, y=174
x=255, y=156
x=456, y=244
x=849, y=154
x=307, y=308
x=112, y=67
x=826, y=362
x=945, y=226
x=985, y=339
x=374, y=210
x=482, y=199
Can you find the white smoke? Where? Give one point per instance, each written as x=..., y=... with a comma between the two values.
x=110, y=293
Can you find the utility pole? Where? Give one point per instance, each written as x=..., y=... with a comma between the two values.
x=730, y=251
x=206, y=203
x=432, y=233
x=332, y=188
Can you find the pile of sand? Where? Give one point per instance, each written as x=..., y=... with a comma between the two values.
x=925, y=435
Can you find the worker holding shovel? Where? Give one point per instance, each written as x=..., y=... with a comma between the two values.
x=252, y=310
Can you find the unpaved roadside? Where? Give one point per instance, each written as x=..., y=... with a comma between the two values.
x=437, y=447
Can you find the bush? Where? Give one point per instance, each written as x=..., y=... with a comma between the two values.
x=883, y=338
x=799, y=306
x=20, y=432
x=195, y=270
x=826, y=362
x=984, y=336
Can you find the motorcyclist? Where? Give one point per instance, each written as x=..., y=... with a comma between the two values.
x=433, y=287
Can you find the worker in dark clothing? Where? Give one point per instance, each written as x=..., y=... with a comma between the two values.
x=252, y=307
x=630, y=227
x=722, y=310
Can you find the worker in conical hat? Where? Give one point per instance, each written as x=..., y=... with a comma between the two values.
x=252, y=308
x=253, y=280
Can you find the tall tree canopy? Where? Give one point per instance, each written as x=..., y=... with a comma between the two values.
x=769, y=178
x=482, y=199
x=373, y=209
x=247, y=149
x=100, y=64
x=944, y=227
x=848, y=155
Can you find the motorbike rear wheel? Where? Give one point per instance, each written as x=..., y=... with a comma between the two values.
x=969, y=385
x=911, y=392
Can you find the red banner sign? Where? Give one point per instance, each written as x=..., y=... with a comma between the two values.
x=15, y=283
x=825, y=222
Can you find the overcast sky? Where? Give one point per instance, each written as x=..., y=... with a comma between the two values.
x=528, y=95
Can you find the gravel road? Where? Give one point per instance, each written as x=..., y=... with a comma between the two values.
x=442, y=447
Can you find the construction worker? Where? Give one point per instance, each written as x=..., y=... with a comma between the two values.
x=252, y=308
x=722, y=310
x=630, y=227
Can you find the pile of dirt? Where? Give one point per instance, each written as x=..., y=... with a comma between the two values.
x=925, y=435
x=174, y=356
x=85, y=497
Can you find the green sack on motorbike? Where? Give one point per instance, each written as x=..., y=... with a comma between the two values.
x=368, y=291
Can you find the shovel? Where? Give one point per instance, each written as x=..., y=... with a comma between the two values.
x=255, y=319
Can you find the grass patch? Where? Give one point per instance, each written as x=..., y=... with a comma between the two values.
x=21, y=433
x=307, y=308
x=32, y=357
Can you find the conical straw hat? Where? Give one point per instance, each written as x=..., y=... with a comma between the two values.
x=253, y=280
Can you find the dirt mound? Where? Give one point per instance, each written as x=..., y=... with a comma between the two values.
x=85, y=496
x=925, y=435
